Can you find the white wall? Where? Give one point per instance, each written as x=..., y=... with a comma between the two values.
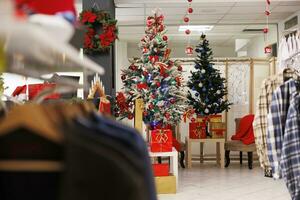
x=178, y=51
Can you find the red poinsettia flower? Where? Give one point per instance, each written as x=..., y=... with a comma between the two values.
x=89, y=16
x=88, y=42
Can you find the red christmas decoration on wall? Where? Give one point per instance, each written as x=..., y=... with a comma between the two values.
x=187, y=31
x=190, y=10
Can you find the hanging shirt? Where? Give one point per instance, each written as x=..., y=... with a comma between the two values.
x=290, y=160
x=276, y=123
x=269, y=85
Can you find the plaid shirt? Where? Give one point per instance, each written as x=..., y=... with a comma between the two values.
x=290, y=158
x=269, y=85
x=276, y=123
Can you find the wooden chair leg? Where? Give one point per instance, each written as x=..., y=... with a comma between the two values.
x=182, y=155
x=250, y=160
x=227, y=158
x=241, y=157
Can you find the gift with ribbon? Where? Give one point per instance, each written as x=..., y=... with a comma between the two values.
x=217, y=129
x=197, y=130
x=215, y=118
x=160, y=169
x=161, y=140
x=105, y=106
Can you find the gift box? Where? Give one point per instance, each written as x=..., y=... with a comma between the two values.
x=215, y=118
x=104, y=106
x=197, y=130
x=217, y=129
x=165, y=185
x=202, y=119
x=160, y=169
x=161, y=140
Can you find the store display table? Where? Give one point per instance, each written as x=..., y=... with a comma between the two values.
x=173, y=161
x=220, y=151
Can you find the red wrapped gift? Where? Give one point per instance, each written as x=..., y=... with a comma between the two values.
x=215, y=118
x=104, y=106
x=161, y=140
x=197, y=130
x=160, y=169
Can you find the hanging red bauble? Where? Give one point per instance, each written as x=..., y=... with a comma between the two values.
x=133, y=67
x=186, y=19
x=268, y=50
x=267, y=13
x=151, y=106
x=179, y=68
x=265, y=30
x=167, y=115
x=187, y=31
x=268, y=2
x=190, y=1
x=145, y=73
x=130, y=116
x=165, y=38
x=172, y=101
x=190, y=10
x=123, y=77
x=145, y=113
x=189, y=51
x=158, y=84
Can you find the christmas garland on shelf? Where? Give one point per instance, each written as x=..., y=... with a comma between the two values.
x=96, y=20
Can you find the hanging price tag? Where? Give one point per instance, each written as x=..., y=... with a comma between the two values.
x=2, y=57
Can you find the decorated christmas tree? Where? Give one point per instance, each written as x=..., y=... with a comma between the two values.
x=207, y=88
x=155, y=79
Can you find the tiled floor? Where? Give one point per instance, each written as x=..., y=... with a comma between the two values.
x=208, y=182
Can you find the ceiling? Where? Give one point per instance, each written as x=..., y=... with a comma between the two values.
x=229, y=17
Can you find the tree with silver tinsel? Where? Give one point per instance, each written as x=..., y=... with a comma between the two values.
x=207, y=88
x=155, y=79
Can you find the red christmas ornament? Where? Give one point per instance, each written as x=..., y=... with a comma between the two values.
x=193, y=120
x=190, y=1
x=265, y=30
x=186, y=19
x=190, y=10
x=179, y=68
x=165, y=38
x=172, y=101
x=133, y=67
x=130, y=116
x=267, y=13
x=145, y=73
x=187, y=31
x=268, y=2
x=123, y=77
x=145, y=113
x=145, y=50
x=268, y=50
x=167, y=115
x=189, y=51
x=166, y=75
x=158, y=84
x=151, y=106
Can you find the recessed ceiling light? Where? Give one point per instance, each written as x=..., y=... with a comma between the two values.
x=198, y=28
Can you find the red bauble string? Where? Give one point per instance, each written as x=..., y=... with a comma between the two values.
x=186, y=19
x=190, y=10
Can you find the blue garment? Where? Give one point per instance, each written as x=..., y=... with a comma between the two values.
x=290, y=158
x=276, y=123
x=130, y=139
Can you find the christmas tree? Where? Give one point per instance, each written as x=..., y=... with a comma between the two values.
x=207, y=88
x=155, y=79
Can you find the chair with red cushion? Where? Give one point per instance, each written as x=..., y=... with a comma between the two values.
x=242, y=141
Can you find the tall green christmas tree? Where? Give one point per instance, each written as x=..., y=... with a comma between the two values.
x=155, y=79
x=207, y=88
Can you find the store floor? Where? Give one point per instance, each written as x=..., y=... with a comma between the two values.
x=208, y=182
